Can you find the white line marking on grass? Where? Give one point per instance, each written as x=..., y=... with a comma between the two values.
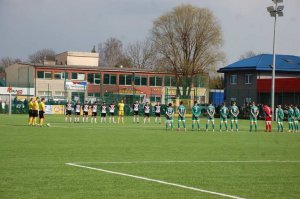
x=200, y=161
x=157, y=181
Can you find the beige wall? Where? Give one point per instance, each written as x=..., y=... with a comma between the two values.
x=52, y=86
x=20, y=75
x=77, y=58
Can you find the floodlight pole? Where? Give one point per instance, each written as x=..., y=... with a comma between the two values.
x=273, y=68
x=274, y=11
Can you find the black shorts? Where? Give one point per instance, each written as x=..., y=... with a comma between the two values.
x=157, y=114
x=111, y=113
x=135, y=112
x=30, y=113
x=103, y=114
x=77, y=113
x=85, y=113
x=41, y=114
x=68, y=112
x=94, y=114
x=34, y=113
x=147, y=114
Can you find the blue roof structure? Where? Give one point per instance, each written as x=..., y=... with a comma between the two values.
x=263, y=62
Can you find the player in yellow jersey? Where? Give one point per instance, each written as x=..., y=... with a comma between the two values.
x=35, y=110
x=121, y=112
x=42, y=112
x=30, y=106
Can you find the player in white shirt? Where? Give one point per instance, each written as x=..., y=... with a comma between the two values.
x=135, y=108
x=111, y=108
x=68, y=111
x=94, y=112
x=77, y=108
x=157, y=109
x=85, y=108
x=147, y=112
x=103, y=112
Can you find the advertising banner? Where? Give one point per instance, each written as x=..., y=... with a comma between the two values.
x=79, y=86
x=16, y=91
x=54, y=109
x=58, y=109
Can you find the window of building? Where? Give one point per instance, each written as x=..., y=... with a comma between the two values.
x=74, y=75
x=94, y=78
x=44, y=75
x=248, y=79
x=109, y=79
x=155, y=81
x=125, y=79
x=233, y=79
x=59, y=75
x=48, y=75
x=78, y=76
x=170, y=81
x=140, y=81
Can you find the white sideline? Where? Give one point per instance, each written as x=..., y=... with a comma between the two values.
x=196, y=161
x=157, y=181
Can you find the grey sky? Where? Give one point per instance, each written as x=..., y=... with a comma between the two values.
x=29, y=25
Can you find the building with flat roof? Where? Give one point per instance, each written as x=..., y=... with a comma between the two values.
x=250, y=80
x=98, y=83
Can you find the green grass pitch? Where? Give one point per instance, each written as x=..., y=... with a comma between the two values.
x=242, y=164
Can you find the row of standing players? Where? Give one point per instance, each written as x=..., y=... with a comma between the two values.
x=225, y=112
x=293, y=115
x=109, y=109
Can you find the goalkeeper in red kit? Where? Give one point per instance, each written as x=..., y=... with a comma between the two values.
x=268, y=118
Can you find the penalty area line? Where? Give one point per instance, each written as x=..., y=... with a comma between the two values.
x=157, y=181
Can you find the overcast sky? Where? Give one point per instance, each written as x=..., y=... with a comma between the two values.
x=76, y=25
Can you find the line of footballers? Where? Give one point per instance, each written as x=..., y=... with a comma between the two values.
x=293, y=116
x=37, y=110
x=225, y=113
x=109, y=110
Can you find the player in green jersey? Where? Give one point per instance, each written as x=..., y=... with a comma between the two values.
x=234, y=112
x=210, y=116
x=296, y=118
x=181, y=115
x=169, y=117
x=280, y=117
x=253, y=116
x=291, y=118
x=196, y=112
x=223, y=116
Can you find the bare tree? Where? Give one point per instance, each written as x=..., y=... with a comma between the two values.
x=141, y=54
x=247, y=55
x=189, y=39
x=41, y=55
x=7, y=61
x=111, y=53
